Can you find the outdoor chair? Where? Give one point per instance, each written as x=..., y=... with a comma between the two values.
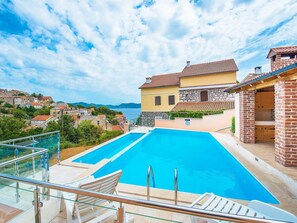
x=256, y=209
x=80, y=208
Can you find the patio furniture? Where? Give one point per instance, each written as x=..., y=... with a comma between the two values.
x=256, y=209
x=81, y=208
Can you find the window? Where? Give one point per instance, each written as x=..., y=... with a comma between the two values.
x=204, y=96
x=171, y=100
x=157, y=100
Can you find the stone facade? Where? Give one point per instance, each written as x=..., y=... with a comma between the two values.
x=247, y=116
x=214, y=94
x=279, y=62
x=148, y=118
x=286, y=122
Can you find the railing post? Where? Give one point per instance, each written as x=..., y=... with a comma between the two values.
x=175, y=185
x=17, y=173
x=45, y=173
x=121, y=213
x=59, y=155
x=37, y=204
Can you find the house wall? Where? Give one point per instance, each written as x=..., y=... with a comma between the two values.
x=286, y=122
x=214, y=94
x=208, y=79
x=237, y=115
x=148, y=98
x=207, y=123
x=247, y=116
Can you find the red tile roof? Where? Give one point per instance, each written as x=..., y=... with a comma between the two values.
x=116, y=128
x=204, y=106
x=41, y=118
x=284, y=49
x=209, y=68
x=35, y=104
x=162, y=80
x=102, y=116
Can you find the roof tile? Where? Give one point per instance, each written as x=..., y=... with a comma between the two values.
x=204, y=106
x=162, y=81
x=210, y=68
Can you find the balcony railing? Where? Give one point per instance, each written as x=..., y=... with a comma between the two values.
x=176, y=209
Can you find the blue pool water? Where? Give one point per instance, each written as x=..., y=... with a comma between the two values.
x=203, y=164
x=109, y=150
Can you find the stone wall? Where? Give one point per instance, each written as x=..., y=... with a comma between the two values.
x=148, y=118
x=247, y=116
x=286, y=122
x=214, y=94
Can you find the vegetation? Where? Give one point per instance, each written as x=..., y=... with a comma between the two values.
x=7, y=105
x=233, y=125
x=106, y=111
x=11, y=127
x=192, y=114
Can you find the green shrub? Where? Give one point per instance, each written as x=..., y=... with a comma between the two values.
x=192, y=114
x=233, y=125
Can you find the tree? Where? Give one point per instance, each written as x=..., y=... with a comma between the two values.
x=20, y=114
x=7, y=105
x=88, y=132
x=43, y=111
x=10, y=127
x=34, y=95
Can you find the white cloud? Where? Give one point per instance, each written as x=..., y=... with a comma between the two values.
x=153, y=40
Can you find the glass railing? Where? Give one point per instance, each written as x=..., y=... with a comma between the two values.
x=49, y=141
x=76, y=204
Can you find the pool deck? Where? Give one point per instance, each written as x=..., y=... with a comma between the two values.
x=257, y=158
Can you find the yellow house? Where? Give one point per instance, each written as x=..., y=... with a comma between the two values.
x=196, y=83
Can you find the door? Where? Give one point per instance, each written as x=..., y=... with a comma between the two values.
x=204, y=96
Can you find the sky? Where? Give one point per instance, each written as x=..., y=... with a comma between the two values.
x=100, y=51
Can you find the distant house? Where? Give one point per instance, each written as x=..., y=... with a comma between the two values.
x=117, y=128
x=203, y=82
x=41, y=120
x=35, y=105
x=120, y=118
x=46, y=100
x=57, y=111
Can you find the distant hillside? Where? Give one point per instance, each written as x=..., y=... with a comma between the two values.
x=122, y=105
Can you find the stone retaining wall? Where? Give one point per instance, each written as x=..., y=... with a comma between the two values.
x=148, y=118
x=214, y=94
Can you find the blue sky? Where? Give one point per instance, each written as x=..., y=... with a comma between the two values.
x=101, y=50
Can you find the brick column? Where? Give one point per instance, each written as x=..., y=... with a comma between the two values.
x=286, y=122
x=247, y=116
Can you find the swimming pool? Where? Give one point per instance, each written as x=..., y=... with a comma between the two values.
x=203, y=164
x=109, y=150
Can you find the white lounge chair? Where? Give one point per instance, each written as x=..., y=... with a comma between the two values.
x=256, y=209
x=81, y=208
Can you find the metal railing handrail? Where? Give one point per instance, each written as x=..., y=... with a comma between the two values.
x=21, y=147
x=23, y=157
x=175, y=185
x=150, y=172
x=29, y=137
x=143, y=203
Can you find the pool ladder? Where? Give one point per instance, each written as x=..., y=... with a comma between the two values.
x=150, y=172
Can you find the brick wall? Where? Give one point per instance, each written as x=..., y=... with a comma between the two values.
x=286, y=122
x=280, y=63
x=247, y=116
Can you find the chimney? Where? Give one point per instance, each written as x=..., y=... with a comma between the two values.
x=148, y=80
x=188, y=63
x=258, y=70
